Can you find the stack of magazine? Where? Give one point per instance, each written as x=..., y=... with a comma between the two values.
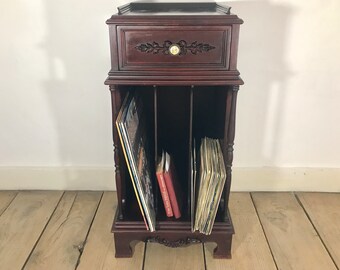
x=207, y=184
x=132, y=132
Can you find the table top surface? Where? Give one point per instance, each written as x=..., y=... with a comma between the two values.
x=173, y=8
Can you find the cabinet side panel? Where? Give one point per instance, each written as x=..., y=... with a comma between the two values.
x=234, y=46
x=113, y=47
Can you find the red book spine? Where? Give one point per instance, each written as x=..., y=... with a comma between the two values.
x=165, y=194
x=168, y=176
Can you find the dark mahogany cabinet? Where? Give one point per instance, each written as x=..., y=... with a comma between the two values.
x=182, y=58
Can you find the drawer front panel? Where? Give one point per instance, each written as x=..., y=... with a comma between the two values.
x=166, y=48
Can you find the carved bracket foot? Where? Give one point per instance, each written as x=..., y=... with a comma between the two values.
x=223, y=249
x=122, y=246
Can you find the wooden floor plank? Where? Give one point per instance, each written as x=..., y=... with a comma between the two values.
x=292, y=238
x=99, y=251
x=60, y=245
x=159, y=257
x=324, y=211
x=6, y=198
x=250, y=249
x=22, y=224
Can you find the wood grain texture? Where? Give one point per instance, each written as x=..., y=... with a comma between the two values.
x=22, y=223
x=148, y=48
x=159, y=257
x=63, y=239
x=292, y=238
x=6, y=198
x=324, y=211
x=250, y=249
x=99, y=251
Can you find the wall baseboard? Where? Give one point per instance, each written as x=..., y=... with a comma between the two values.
x=102, y=178
x=57, y=178
x=286, y=179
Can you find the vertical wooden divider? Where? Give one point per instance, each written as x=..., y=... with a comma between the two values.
x=156, y=144
x=190, y=149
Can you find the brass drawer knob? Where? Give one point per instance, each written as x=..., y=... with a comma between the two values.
x=174, y=49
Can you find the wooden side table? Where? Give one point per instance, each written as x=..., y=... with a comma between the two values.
x=182, y=58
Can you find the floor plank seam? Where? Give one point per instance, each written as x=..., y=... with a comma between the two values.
x=42, y=232
x=263, y=230
x=311, y=222
x=9, y=203
x=88, y=232
x=145, y=246
x=205, y=261
x=69, y=212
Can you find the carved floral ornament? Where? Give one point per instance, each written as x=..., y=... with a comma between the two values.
x=176, y=243
x=170, y=48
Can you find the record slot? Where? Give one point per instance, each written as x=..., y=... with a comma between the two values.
x=145, y=96
x=173, y=137
x=209, y=120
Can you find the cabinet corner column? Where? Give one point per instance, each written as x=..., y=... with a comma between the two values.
x=116, y=104
x=229, y=145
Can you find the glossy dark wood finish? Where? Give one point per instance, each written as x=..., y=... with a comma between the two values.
x=155, y=104
x=206, y=23
x=192, y=94
x=118, y=158
x=170, y=8
x=171, y=232
x=228, y=147
x=146, y=47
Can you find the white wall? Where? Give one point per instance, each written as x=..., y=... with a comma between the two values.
x=55, y=110
x=289, y=107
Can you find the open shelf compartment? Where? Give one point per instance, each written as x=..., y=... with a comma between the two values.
x=176, y=115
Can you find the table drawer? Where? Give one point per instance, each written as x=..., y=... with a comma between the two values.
x=166, y=48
